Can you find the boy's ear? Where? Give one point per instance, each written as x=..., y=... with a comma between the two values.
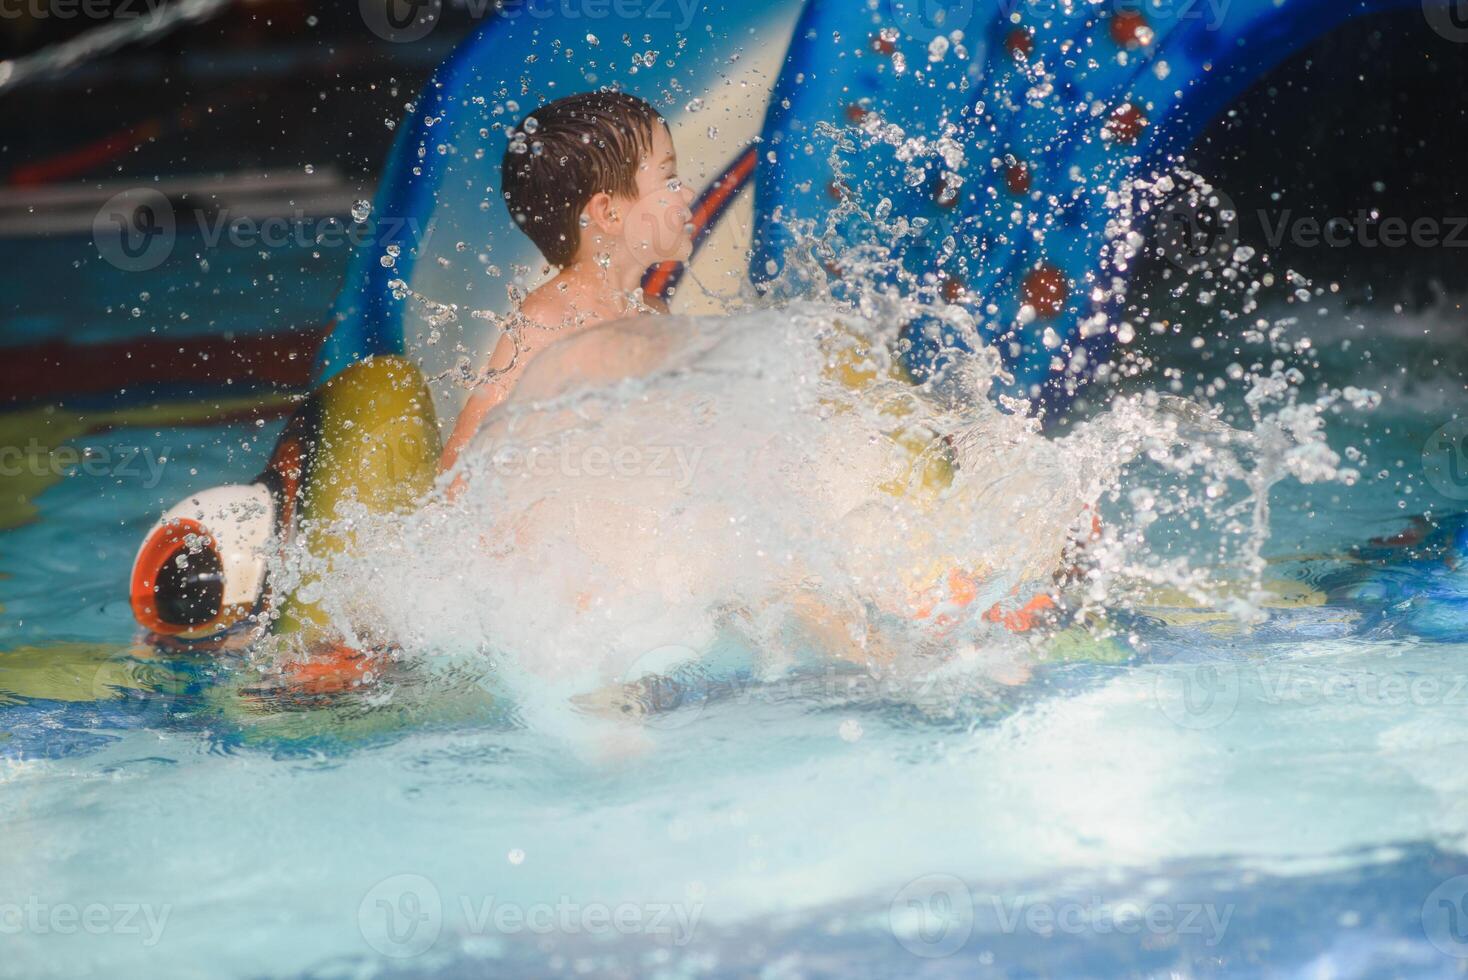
x=602, y=211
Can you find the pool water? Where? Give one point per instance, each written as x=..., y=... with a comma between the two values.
x=1190, y=795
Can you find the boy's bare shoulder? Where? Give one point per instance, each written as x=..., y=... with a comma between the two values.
x=545, y=309
x=606, y=352
x=542, y=300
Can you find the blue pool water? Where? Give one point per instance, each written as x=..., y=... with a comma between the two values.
x=1197, y=799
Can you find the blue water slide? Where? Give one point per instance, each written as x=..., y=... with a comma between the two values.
x=1055, y=105
x=1032, y=114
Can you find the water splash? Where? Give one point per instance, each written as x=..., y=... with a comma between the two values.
x=759, y=494
x=786, y=486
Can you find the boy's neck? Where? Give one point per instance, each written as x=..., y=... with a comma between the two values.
x=621, y=278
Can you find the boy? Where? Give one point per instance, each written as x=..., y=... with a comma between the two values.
x=593, y=180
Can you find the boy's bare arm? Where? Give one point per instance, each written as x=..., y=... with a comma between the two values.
x=483, y=400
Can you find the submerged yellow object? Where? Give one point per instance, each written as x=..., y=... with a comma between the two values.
x=80, y=672
x=374, y=441
x=1176, y=608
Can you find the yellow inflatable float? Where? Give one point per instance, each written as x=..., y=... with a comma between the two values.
x=367, y=434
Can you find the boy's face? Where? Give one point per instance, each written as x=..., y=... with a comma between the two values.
x=657, y=224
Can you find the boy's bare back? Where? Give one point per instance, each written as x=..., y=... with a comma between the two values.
x=604, y=353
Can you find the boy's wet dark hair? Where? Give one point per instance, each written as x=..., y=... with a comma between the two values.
x=575, y=148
